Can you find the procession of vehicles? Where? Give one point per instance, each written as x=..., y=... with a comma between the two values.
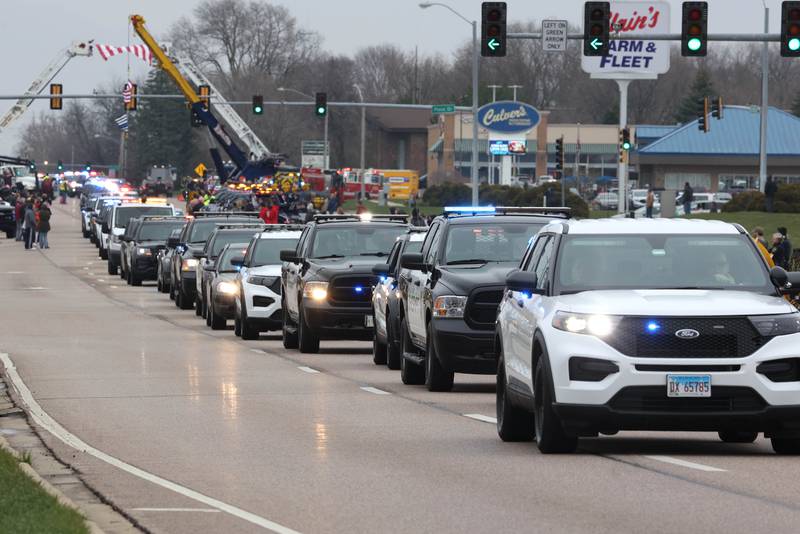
x=591, y=326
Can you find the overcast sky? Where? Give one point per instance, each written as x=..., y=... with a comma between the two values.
x=39, y=29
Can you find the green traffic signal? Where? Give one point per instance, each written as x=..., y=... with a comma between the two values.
x=694, y=44
x=794, y=44
x=626, y=145
x=321, y=110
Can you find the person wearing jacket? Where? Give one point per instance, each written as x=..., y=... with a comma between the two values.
x=19, y=215
x=44, y=224
x=29, y=222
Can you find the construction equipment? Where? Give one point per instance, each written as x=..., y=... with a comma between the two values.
x=78, y=48
x=251, y=170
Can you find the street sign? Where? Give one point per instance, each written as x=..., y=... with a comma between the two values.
x=554, y=35
x=508, y=117
x=444, y=108
x=312, y=154
x=200, y=170
x=633, y=58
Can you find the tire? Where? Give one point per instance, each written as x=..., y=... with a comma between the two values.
x=237, y=326
x=410, y=373
x=135, y=280
x=307, y=342
x=85, y=233
x=737, y=436
x=103, y=254
x=159, y=285
x=378, y=348
x=216, y=322
x=12, y=235
x=550, y=435
x=171, y=292
x=199, y=306
x=248, y=332
x=112, y=269
x=437, y=378
x=290, y=340
x=788, y=446
x=182, y=300
x=393, y=354
x=513, y=423
x=208, y=317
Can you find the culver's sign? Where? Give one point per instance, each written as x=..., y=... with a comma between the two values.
x=508, y=117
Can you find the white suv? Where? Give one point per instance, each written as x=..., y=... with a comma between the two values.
x=613, y=325
x=258, y=302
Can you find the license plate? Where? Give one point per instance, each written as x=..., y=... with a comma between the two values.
x=369, y=321
x=688, y=385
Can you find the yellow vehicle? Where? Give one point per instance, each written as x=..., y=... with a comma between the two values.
x=403, y=183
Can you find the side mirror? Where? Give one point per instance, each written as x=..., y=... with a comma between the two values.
x=173, y=242
x=209, y=266
x=381, y=269
x=238, y=261
x=523, y=282
x=412, y=261
x=289, y=255
x=788, y=283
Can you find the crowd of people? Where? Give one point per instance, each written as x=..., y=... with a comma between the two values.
x=32, y=213
x=778, y=249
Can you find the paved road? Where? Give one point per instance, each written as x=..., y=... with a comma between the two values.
x=265, y=443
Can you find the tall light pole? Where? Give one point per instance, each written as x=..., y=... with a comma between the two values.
x=363, y=140
x=325, y=140
x=475, y=56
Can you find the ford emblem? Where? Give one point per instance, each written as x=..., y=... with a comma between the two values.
x=687, y=333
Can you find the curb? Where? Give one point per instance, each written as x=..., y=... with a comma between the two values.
x=47, y=487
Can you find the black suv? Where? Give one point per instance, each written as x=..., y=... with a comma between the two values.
x=327, y=280
x=183, y=272
x=452, y=289
x=140, y=246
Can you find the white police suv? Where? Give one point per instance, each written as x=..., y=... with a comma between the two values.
x=258, y=302
x=613, y=325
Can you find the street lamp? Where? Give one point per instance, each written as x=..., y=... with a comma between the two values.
x=475, y=52
x=363, y=139
x=325, y=141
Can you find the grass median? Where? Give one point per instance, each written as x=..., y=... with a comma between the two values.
x=26, y=508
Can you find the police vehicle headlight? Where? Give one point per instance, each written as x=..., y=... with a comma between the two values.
x=449, y=306
x=189, y=264
x=584, y=323
x=776, y=325
x=227, y=288
x=144, y=251
x=265, y=281
x=315, y=291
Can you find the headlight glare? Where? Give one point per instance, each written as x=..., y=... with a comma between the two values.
x=189, y=264
x=227, y=288
x=584, y=323
x=449, y=306
x=315, y=291
x=144, y=251
x=776, y=325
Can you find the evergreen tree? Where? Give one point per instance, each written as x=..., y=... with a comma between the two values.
x=160, y=132
x=692, y=104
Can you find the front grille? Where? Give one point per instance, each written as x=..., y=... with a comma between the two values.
x=688, y=368
x=351, y=290
x=723, y=337
x=482, y=307
x=723, y=399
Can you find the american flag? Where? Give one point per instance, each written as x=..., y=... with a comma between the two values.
x=140, y=51
x=122, y=122
x=126, y=92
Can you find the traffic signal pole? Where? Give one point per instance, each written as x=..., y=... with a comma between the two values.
x=762, y=155
x=622, y=163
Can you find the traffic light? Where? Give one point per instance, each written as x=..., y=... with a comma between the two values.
x=321, y=104
x=596, y=23
x=133, y=102
x=694, y=29
x=626, y=139
x=60, y=166
x=717, y=108
x=32, y=167
x=790, y=29
x=205, y=94
x=195, y=119
x=560, y=155
x=88, y=167
x=56, y=89
x=702, y=121
x=258, y=105
x=493, y=29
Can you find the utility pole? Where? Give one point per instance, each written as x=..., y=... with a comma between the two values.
x=762, y=159
x=363, y=140
x=494, y=89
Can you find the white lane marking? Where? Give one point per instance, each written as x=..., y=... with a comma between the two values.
x=308, y=370
x=257, y=351
x=101, y=280
x=113, y=287
x=375, y=391
x=203, y=510
x=481, y=417
x=15, y=272
x=44, y=420
x=36, y=288
x=684, y=463
x=86, y=269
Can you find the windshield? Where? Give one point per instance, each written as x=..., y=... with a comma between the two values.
x=413, y=247
x=268, y=251
x=201, y=229
x=485, y=242
x=157, y=231
x=127, y=213
x=361, y=240
x=225, y=238
x=660, y=262
x=236, y=249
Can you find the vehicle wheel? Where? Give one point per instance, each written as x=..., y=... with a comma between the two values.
x=103, y=254
x=85, y=233
x=307, y=342
x=112, y=269
x=248, y=332
x=11, y=235
x=550, y=435
x=183, y=300
x=178, y=298
x=135, y=280
x=237, y=325
x=789, y=446
x=437, y=378
x=171, y=292
x=159, y=285
x=290, y=340
x=378, y=349
x=127, y=278
x=216, y=322
x=513, y=423
x=737, y=436
x=208, y=317
x=393, y=354
x=199, y=307
x=410, y=373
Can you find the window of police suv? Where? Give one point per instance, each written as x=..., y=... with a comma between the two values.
x=488, y=242
x=127, y=213
x=589, y=262
x=341, y=241
x=157, y=231
x=268, y=251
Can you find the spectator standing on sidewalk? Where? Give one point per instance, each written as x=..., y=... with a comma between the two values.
x=44, y=224
x=19, y=215
x=649, y=202
x=29, y=223
x=688, y=197
x=770, y=188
